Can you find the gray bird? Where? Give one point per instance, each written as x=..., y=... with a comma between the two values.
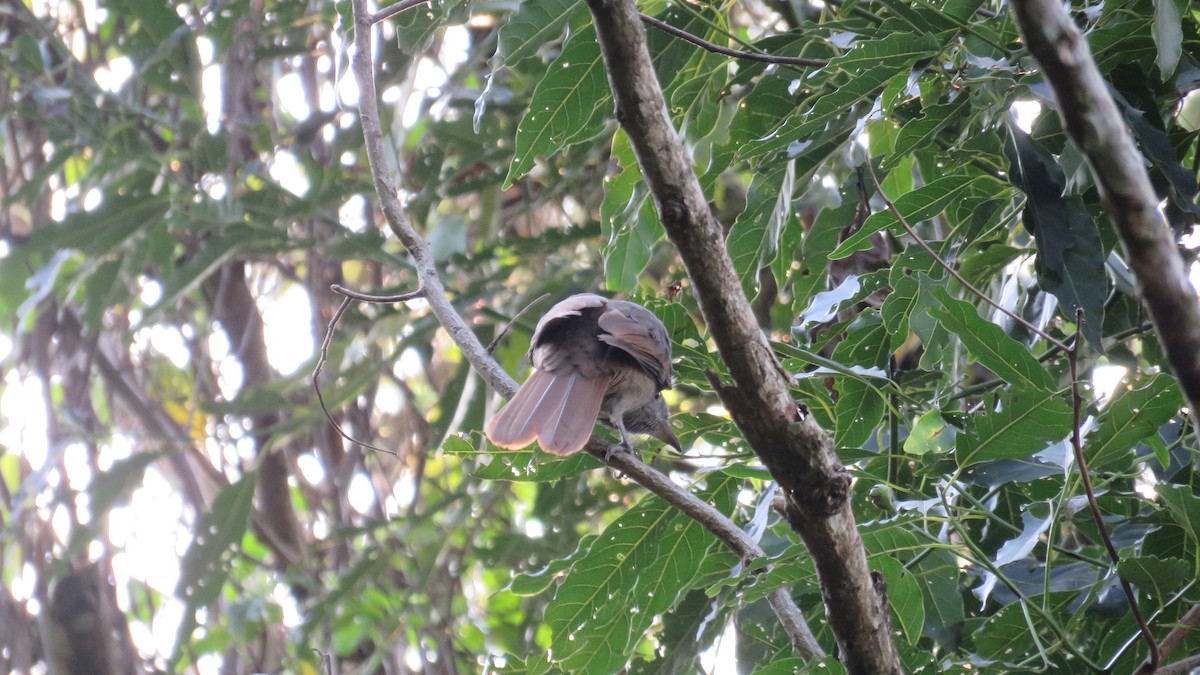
x=594, y=359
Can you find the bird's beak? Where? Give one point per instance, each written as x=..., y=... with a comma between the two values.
x=664, y=433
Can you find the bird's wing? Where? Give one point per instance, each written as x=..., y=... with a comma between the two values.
x=636, y=331
x=571, y=307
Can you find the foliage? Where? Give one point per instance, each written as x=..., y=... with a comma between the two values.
x=179, y=182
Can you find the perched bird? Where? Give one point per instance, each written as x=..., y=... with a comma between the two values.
x=593, y=358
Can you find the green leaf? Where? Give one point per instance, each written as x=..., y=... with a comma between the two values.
x=205, y=566
x=527, y=31
x=640, y=566
x=859, y=410
x=519, y=465
x=940, y=577
x=931, y=433
x=754, y=237
x=569, y=105
x=990, y=346
x=918, y=133
x=628, y=219
x=1027, y=421
x=1160, y=577
x=870, y=65
x=1070, y=260
x=1133, y=415
x=894, y=48
x=922, y=203
x=904, y=596
x=1168, y=36
x=1184, y=507
x=1005, y=635
x=867, y=343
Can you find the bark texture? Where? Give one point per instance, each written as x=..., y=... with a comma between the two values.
x=1095, y=125
x=798, y=453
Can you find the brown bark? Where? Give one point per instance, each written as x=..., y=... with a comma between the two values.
x=798, y=453
x=1097, y=128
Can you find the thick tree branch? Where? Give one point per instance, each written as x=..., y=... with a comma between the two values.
x=789, y=615
x=1094, y=123
x=797, y=452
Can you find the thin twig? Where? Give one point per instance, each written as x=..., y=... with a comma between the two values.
x=1093, y=505
x=726, y=51
x=397, y=218
x=316, y=376
x=954, y=273
x=504, y=331
x=377, y=299
x=392, y=10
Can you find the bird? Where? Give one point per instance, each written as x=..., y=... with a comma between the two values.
x=593, y=359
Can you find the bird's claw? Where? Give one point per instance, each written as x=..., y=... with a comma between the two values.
x=623, y=446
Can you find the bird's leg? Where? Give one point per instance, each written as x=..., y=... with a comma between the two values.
x=619, y=422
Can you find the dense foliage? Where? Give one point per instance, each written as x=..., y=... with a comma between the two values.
x=182, y=183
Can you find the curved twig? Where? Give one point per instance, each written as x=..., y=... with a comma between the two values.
x=508, y=326
x=726, y=51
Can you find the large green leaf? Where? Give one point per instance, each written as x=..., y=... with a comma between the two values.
x=990, y=346
x=1168, y=35
x=1134, y=414
x=1070, y=260
x=629, y=221
x=859, y=410
x=640, y=566
x=922, y=203
x=754, y=237
x=533, y=25
x=569, y=104
x=1027, y=421
x=904, y=596
x=1184, y=507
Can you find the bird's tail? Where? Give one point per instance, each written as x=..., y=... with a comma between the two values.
x=557, y=409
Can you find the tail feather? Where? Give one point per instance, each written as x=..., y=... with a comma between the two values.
x=559, y=410
x=517, y=425
x=569, y=429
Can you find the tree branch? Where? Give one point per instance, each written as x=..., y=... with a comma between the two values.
x=790, y=616
x=1097, y=128
x=397, y=220
x=797, y=452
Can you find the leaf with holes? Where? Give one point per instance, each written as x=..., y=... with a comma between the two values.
x=569, y=105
